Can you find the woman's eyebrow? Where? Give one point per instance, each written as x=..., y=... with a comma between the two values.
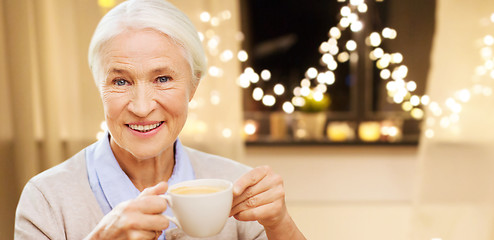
x=117, y=71
x=164, y=69
x=154, y=71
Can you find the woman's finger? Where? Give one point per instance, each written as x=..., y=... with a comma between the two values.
x=156, y=222
x=264, y=214
x=157, y=189
x=251, y=191
x=269, y=181
x=249, y=179
x=142, y=235
x=263, y=198
x=148, y=204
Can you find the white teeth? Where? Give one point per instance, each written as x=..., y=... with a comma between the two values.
x=144, y=128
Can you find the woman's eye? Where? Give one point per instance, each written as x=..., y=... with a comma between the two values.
x=120, y=82
x=163, y=79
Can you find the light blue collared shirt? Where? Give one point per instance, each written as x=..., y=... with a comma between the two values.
x=112, y=186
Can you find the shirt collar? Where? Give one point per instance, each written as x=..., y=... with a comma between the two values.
x=116, y=185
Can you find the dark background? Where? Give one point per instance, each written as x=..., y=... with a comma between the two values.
x=284, y=36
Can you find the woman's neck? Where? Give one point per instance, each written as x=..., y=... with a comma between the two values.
x=145, y=173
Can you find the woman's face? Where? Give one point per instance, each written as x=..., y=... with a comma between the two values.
x=145, y=92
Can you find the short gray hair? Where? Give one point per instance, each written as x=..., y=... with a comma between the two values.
x=158, y=15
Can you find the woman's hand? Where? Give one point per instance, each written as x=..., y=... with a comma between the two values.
x=259, y=195
x=139, y=218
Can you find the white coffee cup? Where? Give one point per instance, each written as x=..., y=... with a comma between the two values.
x=200, y=214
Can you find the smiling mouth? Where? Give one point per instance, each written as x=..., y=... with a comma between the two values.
x=144, y=128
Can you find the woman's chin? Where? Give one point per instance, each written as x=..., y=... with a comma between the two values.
x=140, y=155
x=144, y=152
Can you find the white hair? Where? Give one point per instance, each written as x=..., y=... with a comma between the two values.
x=158, y=15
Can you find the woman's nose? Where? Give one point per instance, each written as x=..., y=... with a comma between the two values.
x=143, y=101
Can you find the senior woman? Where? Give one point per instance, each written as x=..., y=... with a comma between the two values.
x=146, y=60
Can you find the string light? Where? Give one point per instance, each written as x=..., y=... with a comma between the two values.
x=425, y=100
x=226, y=55
x=322, y=77
x=296, y=91
x=242, y=56
x=411, y=86
x=205, y=17
x=215, y=97
x=362, y=8
x=488, y=40
x=334, y=50
x=243, y=80
x=353, y=18
x=226, y=15
x=406, y=106
x=385, y=74
x=305, y=91
x=215, y=71
x=389, y=33
x=227, y=133
x=356, y=26
x=298, y=101
x=250, y=128
x=318, y=96
x=305, y=83
x=279, y=89
x=213, y=42
x=288, y=107
x=396, y=58
x=257, y=94
x=344, y=22
x=322, y=88
x=417, y=113
x=215, y=21
x=463, y=95
x=429, y=133
x=265, y=75
x=345, y=11
x=327, y=58
x=268, y=100
x=351, y=45
x=311, y=73
x=415, y=100
x=374, y=39
x=343, y=57
x=332, y=65
x=335, y=33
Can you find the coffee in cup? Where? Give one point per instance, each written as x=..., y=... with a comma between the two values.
x=201, y=207
x=195, y=190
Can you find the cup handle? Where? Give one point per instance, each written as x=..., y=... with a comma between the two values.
x=170, y=204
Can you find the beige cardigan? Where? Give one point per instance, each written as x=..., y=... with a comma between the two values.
x=59, y=204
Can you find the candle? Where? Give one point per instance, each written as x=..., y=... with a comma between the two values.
x=369, y=131
x=339, y=132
